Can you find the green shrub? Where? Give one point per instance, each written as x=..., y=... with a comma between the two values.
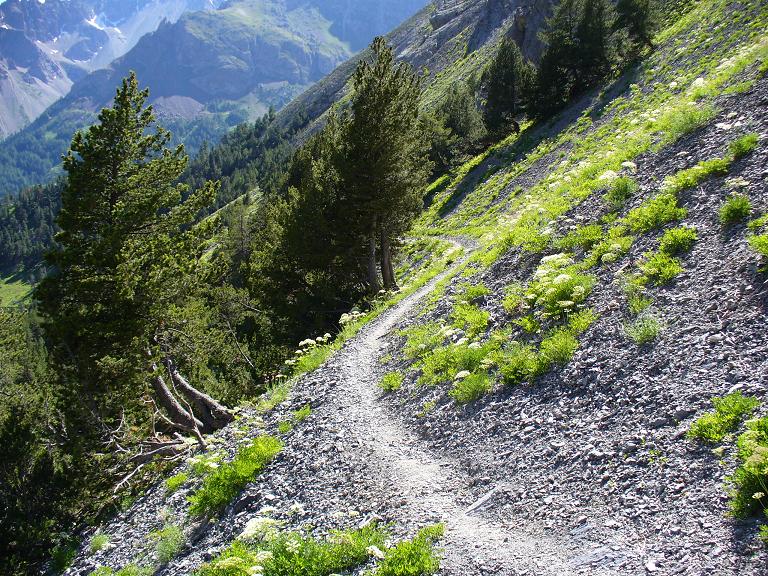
x=528, y=323
x=729, y=411
x=637, y=300
x=736, y=209
x=62, y=556
x=470, y=318
x=645, y=328
x=226, y=481
x=444, y=363
x=290, y=554
x=695, y=175
x=98, y=542
x=513, y=298
x=175, y=482
x=284, y=427
x=749, y=494
x=759, y=243
x=655, y=213
x=621, y=190
x=584, y=237
x=518, y=363
x=169, y=542
x=660, y=268
x=413, y=558
x=743, y=146
x=684, y=119
x=422, y=339
x=678, y=240
x=469, y=389
x=391, y=381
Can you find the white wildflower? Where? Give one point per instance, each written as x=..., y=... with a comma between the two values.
x=608, y=175
x=260, y=528
x=561, y=279
x=758, y=495
x=267, y=511
x=264, y=556
x=463, y=374
x=256, y=570
x=292, y=546
x=631, y=166
x=375, y=552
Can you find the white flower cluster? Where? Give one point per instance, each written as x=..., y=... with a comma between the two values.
x=554, y=286
x=350, y=316
x=306, y=346
x=260, y=528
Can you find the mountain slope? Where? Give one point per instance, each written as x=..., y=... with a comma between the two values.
x=208, y=71
x=46, y=46
x=527, y=405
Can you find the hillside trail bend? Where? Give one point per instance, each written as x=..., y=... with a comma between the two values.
x=430, y=485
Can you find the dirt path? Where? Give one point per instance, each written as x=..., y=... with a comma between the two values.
x=429, y=485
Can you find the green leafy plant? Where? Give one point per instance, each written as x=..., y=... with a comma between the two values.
x=416, y=557
x=391, y=381
x=759, y=243
x=644, y=329
x=518, y=363
x=471, y=388
x=175, y=482
x=729, y=411
x=678, y=240
x=579, y=322
x=284, y=427
x=683, y=119
x=557, y=348
x=302, y=413
x=621, y=190
x=655, y=213
x=736, y=209
x=226, y=481
x=695, y=175
x=615, y=245
x=749, y=494
x=445, y=362
x=584, y=237
x=559, y=287
x=99, y=541
x=513, y=297
x=659, y=268
x=470, y=318
x=168, y=542
x=743, y=146
x=472, y=292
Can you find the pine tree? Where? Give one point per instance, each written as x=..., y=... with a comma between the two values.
x=387, y=159
x=596, y=52
x=127, y=263
x=638, y=17
x=509, y=80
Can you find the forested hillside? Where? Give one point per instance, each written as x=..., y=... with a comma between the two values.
x=500, y=315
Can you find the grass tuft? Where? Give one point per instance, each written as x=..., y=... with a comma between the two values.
x=644, y=329
x=743, y=146
x=659, y=268
x=471, y=388
x=391, y=382
x=655, y=213
x=736, y=209
x=621, y=190
x=678, y=240
x=175, y=482
x=98, y=542
x=169, y=542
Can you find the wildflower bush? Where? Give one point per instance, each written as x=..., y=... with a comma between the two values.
x=729, y=411
x=735, y=209
x=678, y=240
x=226, y=481
x=749, y=494
x=655, y=213
x=445, y=362
x=610, y=249
x=558, y=287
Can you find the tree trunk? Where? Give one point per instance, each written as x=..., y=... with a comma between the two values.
x=177, y=414
x=373, y=275
x=387, y=271
x=214, y=415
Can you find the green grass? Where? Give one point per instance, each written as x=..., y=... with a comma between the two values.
x=677, y=240
x=472, y=292
x=759, y=243
x=284, y=427
x=735, y=209
x=644, y=329
x=683, y=119
x=518, y=363
x=168, y=542
x=226, y=481
x=175, y=482
x=445, y=362
x=98, y=542
x=129, y=570
x=610, y=249
x=621, y=190
x=729, y=411
x=557, y=348
x=743, y=146
x=13, y=291
x=584, y=237
x=470, y=318
x=302, y=413
x=471, y=388
x=655, y=213
x=391, y=382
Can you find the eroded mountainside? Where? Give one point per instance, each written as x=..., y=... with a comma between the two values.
x=595, y=283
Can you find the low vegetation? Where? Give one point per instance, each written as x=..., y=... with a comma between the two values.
x=391, y=382
x=729, y=412
x=224, y=482
x=677, y=241
x=655, y=213
x=169, y=541
x=175, y=482
x=736, y=208
x=645, y=328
